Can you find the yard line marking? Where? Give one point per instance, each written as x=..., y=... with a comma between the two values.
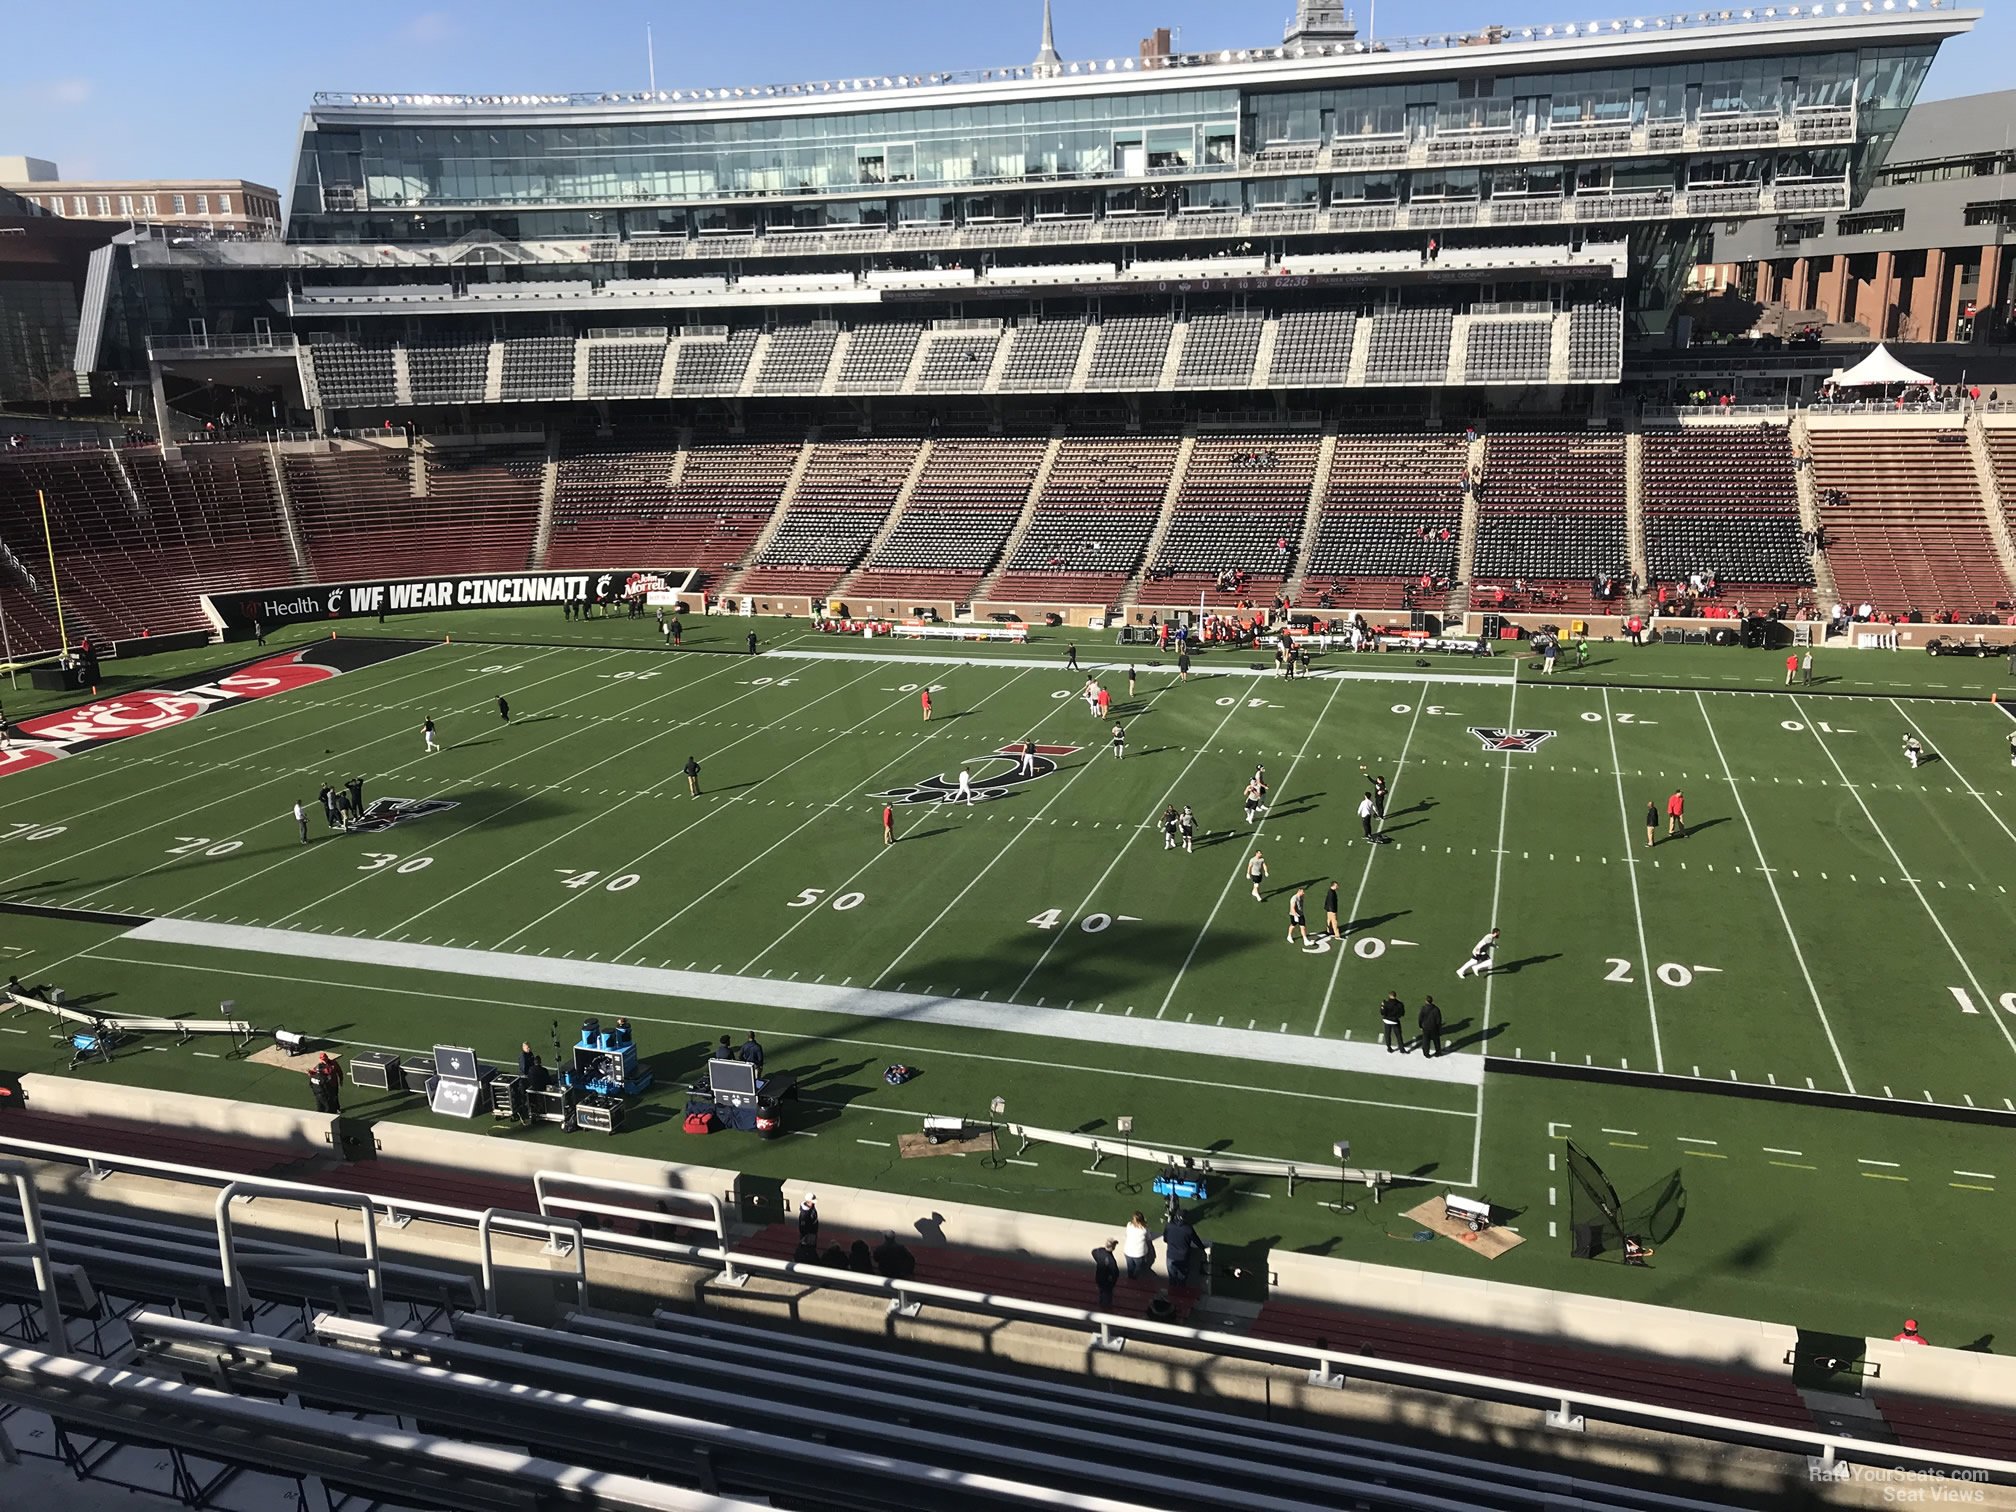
x=1637, y=904
x=1771, y=881
x=882, y=1142
x=233, y=730
x=1978, y=1175
x=1886, y=1176
x=1892, y=1164
x=1627, y=1133
x=1091, y=760
x=412, y=766
x=1093, y=891
x=181, y=815
x=1971, y=789
x=1792, y=1165
x=1930, y=912
x=569, y=978
x=1239, y=866
x=638, y=860
x=614, y=755
x=1683, y=1139
x=293, y=853
x=1769, y=1150
x=1497, y=883
x=1365, y=877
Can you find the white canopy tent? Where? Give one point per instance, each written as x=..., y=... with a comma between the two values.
x=1877, y=370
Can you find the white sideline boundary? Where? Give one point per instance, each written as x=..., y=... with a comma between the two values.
x=857, y=1002
x=1095, y=664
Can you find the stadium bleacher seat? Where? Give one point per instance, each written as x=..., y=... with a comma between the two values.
x=1313, y=347
x=1219, y=349
x=1043, y=355
x=877, y=357
x=1092, y=521
x=958, y=362
x=1727, y=503
x=1595, y=341
x=1131, y=351
x=843, y=497
x=360, y=519
x=1552, y=513
x=209, y=522
x=959, y=518
x=1905, y=523
x=710, y=364
x=1241, y=507
x=615, y=503
x=538, y=367
x=1391, y=512
x=796, y=360
x=1508, y=351
x=1410, y=345
x=351, y=374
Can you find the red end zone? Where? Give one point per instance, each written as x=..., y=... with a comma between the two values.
x=43, y=739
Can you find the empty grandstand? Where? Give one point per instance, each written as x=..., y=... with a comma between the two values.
x=1906, y=525
x=1551, y=519
x=1725, y=503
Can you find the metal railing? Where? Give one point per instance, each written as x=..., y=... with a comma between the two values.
x=233, y=1269
x=1564, y=34
x=1564, y=1408
x=274, y=341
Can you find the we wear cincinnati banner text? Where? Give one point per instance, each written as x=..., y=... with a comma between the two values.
x=298, y=602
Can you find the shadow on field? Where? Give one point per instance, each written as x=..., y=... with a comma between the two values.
x=1453, y=1037
x=827, y=1090
x=1513, y=968
x=1113, y=970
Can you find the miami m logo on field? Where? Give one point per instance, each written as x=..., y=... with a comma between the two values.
x=1511, y=740
x=995, y=776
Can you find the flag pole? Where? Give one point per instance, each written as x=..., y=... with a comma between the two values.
x=55, y=587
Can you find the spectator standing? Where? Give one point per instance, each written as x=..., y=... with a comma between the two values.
x=1137, y=1247
x=1105, y=1273
x=1184, y=1247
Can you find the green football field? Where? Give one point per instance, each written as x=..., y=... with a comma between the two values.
x=1798, y=1022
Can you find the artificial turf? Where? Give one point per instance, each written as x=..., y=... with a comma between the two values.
x=1825, y=927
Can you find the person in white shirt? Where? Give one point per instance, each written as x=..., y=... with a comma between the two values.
x=1368, y=811
x=1136, y=1248
x=1480, y=956
x=301, y=820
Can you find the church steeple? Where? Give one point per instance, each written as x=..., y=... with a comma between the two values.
x=1047, y=65
x=1320, y=22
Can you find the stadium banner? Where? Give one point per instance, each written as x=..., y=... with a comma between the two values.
x=295, y=603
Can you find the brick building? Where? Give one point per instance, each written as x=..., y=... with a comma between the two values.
x=1925, y=256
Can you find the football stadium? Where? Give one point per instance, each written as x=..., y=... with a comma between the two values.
x=1100, y=783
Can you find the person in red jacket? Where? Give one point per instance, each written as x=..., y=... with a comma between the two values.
x=926, y=696
x=888, y=825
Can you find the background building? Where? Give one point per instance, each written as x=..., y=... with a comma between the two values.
x=44, y=262
x=221, y=207
x=1924, y=256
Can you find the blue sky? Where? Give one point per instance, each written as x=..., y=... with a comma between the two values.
x=151, y=90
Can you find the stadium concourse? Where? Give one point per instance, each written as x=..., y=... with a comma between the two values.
x=1051, y=786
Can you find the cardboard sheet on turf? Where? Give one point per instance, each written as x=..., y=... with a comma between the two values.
x=1492, y=1243
x=274, y=1055
x=916, y=1146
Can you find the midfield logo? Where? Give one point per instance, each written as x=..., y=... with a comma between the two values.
x=1512, y=740
x=1005, y=776
x=383, y=813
